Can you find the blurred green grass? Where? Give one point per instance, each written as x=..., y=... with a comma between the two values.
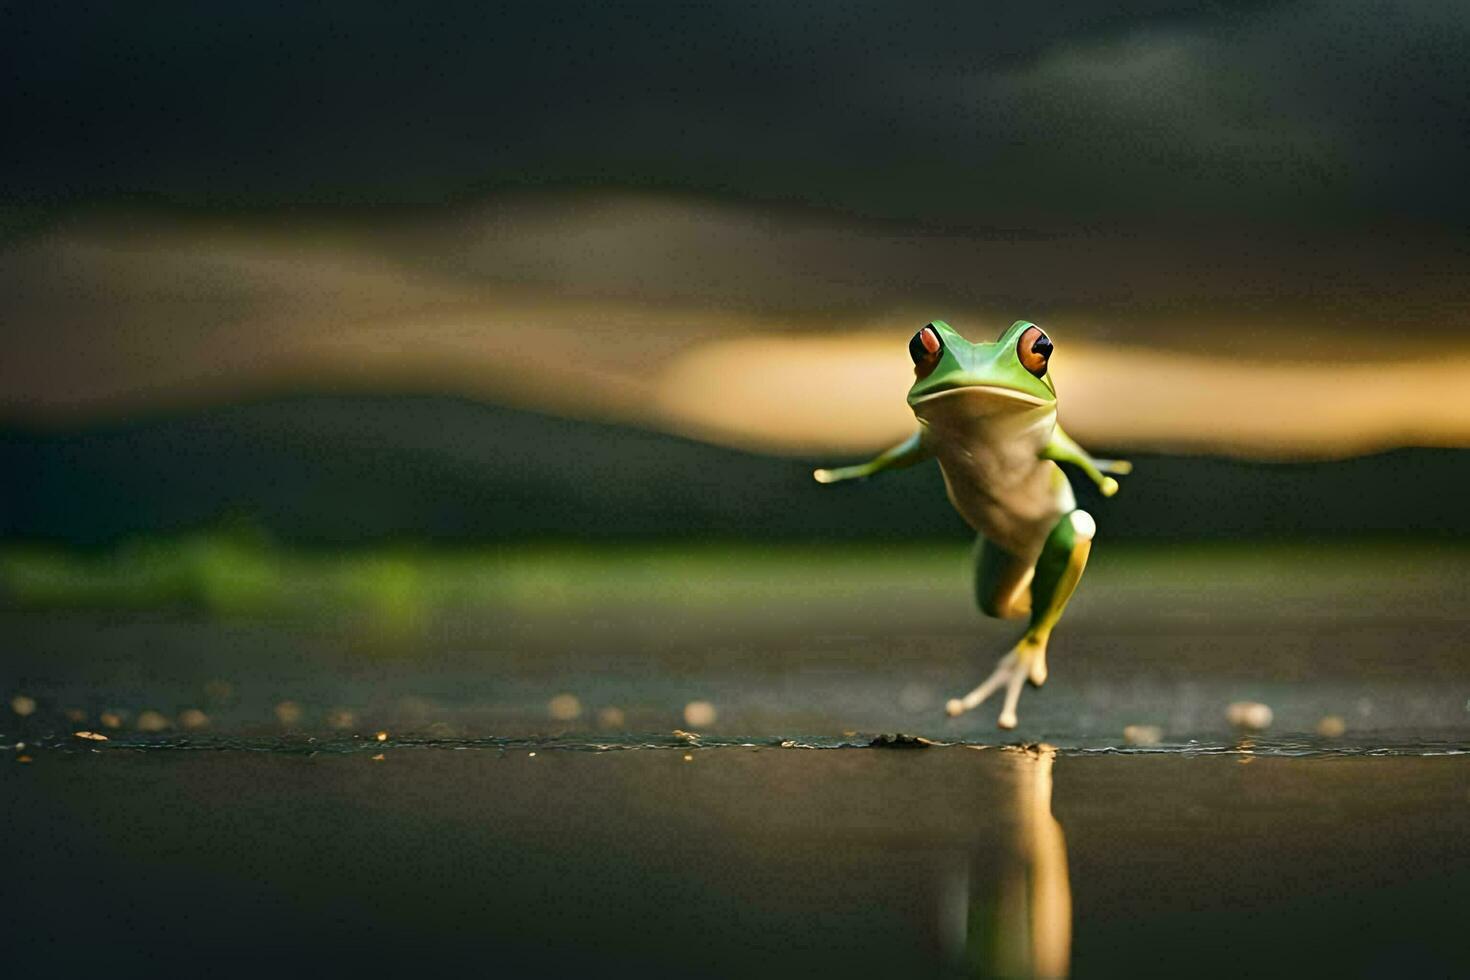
x=234, y=573
x=231, y=574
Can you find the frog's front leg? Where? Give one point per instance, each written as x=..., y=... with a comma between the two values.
x=1001, y=590
x=912, y=450
x=1062, y=448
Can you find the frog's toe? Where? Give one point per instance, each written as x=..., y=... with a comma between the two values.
x=1019, y=672
x=1038, y=671
x=1005, y=670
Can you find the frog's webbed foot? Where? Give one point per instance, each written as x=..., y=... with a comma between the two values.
x=1026, y=661
x=1056, y=574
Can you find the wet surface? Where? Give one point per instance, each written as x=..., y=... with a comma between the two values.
x=1370, y=642
x=523, y=789
x=734, y=861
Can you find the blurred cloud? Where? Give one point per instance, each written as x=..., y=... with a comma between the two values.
x=1307, y=114
x=1312, y=112
x=756, y=327
x=1243, y=221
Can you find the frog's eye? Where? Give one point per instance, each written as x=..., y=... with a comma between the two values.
x=926, y=347
x=1034, y=350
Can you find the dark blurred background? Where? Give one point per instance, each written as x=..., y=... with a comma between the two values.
x=363, y=272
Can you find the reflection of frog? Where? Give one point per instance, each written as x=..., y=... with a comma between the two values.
x=988, y=414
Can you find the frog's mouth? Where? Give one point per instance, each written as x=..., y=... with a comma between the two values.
x=996, y=394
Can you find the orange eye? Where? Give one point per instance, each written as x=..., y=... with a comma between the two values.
x=925, y=347
x=1034, y=350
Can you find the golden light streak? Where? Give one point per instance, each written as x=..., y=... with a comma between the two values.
x=845, y=394
x=776, y=334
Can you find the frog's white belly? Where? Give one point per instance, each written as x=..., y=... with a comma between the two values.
x=988, y=443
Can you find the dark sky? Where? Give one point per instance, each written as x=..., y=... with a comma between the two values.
x=1066, y=116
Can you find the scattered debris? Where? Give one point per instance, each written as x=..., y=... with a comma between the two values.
x=1251, y=715
x=1143, y=735
x=23, y=705
x=91, y=736
x=700, y=714
x=898, y=740
x=564, y=707
x=1331, y=726
x=153, y=721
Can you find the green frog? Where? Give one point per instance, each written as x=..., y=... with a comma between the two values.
x=988, y=414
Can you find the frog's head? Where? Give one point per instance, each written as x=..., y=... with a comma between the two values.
x=1010, y=373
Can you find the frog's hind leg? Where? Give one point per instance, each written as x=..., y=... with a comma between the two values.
x=1002, y=581
x=1005, y=590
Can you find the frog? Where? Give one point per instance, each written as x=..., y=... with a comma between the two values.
x=987, y=413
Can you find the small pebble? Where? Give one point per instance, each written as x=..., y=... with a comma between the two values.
x=1250, y=715
x=218, y=691
x=193, y=719
x=1332, y=726
x=23, y=705
x=152, y=721
x=688, y=757
x=564, y=707
x=1143, y=734
x=341, y=719
x=915, y=698
x=699, y=714
x=381, y=736
x=379, y=757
